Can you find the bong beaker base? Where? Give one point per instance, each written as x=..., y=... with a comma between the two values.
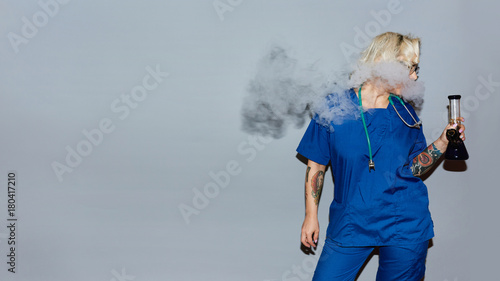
x=456, y=148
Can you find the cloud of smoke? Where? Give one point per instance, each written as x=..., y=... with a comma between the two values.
x=286, y=93
x=280, y=94
x=389, y=75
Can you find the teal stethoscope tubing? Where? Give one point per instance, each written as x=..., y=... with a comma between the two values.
x=371, y=164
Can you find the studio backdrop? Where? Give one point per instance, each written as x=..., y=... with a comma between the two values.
x=133, y=147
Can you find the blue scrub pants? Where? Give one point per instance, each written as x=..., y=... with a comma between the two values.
x=401, y=263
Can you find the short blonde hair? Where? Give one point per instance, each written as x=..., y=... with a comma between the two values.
x=391, y=46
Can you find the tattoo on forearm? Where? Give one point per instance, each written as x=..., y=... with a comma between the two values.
x=425, y=160
x=317, y=185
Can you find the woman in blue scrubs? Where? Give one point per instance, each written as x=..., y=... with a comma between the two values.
x=376, y=160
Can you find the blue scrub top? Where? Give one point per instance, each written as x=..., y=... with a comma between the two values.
x=387, y=206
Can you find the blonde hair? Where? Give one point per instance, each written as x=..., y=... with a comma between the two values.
x=391, y=46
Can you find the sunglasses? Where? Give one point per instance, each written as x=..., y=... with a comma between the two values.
x=414, y=68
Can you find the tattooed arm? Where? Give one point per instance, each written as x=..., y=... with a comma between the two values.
x=427, y=158
x=313, y=186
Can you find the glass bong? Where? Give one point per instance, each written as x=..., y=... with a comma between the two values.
x=456, y=148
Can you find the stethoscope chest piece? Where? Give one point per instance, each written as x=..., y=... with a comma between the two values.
x=371, y=165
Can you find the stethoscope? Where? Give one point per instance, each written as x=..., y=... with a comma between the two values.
x=371, y=164
x=417, y=123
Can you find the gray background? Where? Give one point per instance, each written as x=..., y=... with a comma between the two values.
x=117, y=215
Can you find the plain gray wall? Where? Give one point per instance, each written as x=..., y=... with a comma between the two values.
x=116, y=215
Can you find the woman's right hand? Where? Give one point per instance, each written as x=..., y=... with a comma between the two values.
x=310, y=232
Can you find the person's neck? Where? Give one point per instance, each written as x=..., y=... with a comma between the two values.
x=373, y=96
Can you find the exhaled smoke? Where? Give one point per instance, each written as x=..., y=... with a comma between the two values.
x=280, y=95
x=390, y=75
x=285, y=93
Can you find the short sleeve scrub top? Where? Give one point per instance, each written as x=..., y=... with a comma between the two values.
x=381, y=207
